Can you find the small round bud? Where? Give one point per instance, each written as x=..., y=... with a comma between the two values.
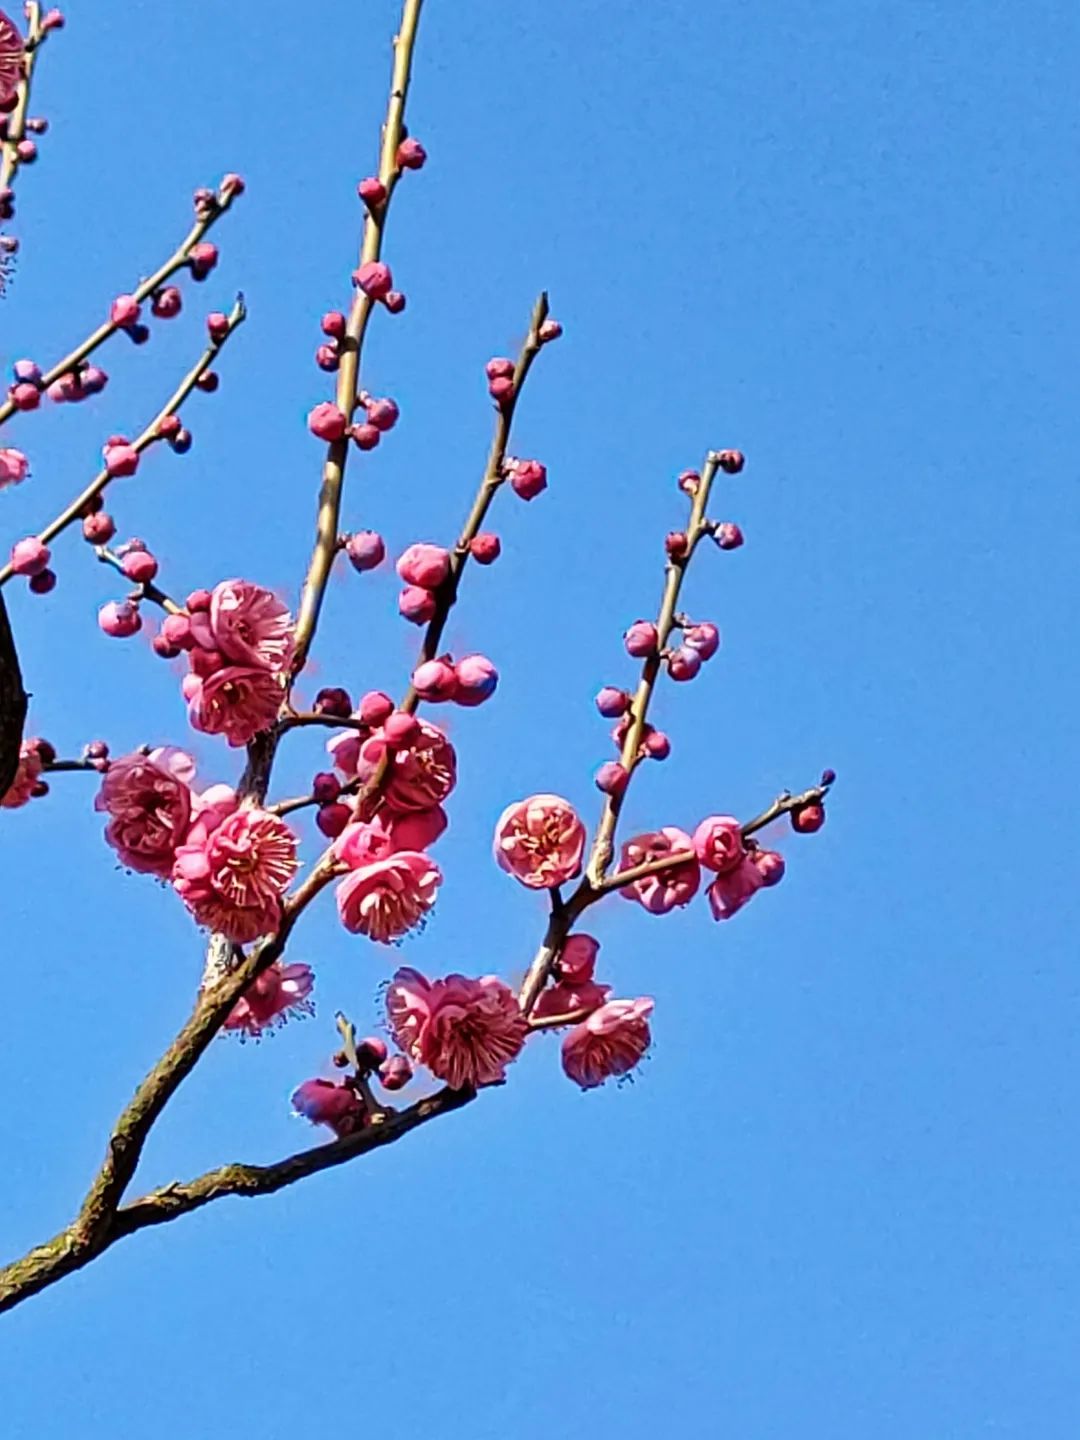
x=528, y=478
x=137, y=334
x=612, y=702
x=327, y=358
x=731, y=461
x=499, y=368
x=37, y=124
x=327, y=422
x=99, y=528
x=683, y=663
x=365, y=549
x=728, y=535
x=52, y=20
x=485, y=548
x=232, y=185
x=400, y=727
x=371, y=1052
x=217, y=326
x=333, y=700
x=93, y=380
x=125, y=311
x=43, y=582
x=139, y=566
x=39, y=789
x=424, y=565
x=375, y=707
x=46, y=751
x=383, y=414
x=689, y=481
x=208, y=381
x=198, y=600
x=176, y=629
x=365, y=437
x=677, y=544
x=411, y=154
x=26, y=151
x=96, y=750
x=612, y=778
x=656, y=745
x=395, y=1073
x=501, y=389
x=325, y=787
x=181, y=442
x=704, y=638
x=549, y=330
x=395, y=302
x=416, y=604
x=828, y=777
x=202, y=259
x=166, y=302
x=374, y=279
x=333, y=324
x=120, y=619
x=641, y=639
x=169, y=426
x=808, y=819
x=30, y=556
x=770, y=866
x=332, y=819
x=372, y=191
x=435, y=681
x=26, y=370
x=120, y=459
x=25, y=396
x=163, y=647
x=477, y=680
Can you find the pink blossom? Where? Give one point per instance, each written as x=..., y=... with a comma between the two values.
x=540, y=841
x=270, y=999
x=237, y=702
x=662, y=891
x=424, y=565
x=12, y=59
x=250, y=625
x=718, y=843
x=567, y=998
x=465, y=1031
x=325, y=1102
x=731, y=889
x=14, y=467
x=610, y=1042
x=149, y=803
x=388, y=897
x=231, y=873
x=21, y=789
x=421, y=772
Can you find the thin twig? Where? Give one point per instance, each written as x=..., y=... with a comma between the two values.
x=143, y=589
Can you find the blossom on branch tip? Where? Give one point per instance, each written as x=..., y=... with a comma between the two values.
x=465, y=1031
x=540, y=841
x=232, y=871
x=663, y=890
x=149, y=802
x=609, y=1043
x=272, y=997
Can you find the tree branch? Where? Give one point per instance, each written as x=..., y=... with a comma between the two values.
x=12, y=703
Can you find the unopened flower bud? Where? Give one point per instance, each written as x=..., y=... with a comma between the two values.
x=677, y=544
x=383, y=414
x=327, y=358
x=435, y=681
x=728, y=535
x=416, y=604
x=683, y=663
x=641, y=639
x=371, y=1052
x=499, y=368
x=176, y=629
x=120, y=618
x=125, y=310
x=120, y=460
x=333, y=324
x=704, y=638
x=424, y=565
x=43, y=582
x=333, y=700
x=163, y=647
x=395, y=302
x=375, y=707
x=139, y=566
x=365, y=549
x=770, y=866
x=372, y=191
x=485, y=548
x=395, y=1073
x=181, y=442
x=166, y=302
x=549, y=330
x=99, y=528
x=217, y=326
x=327, y=422
x=400, y=728
x=528, y=478
x=731, y=461
x=374, y=279
x=29, y=556
x=612, y=778
x=25, y=396
x=612, y=702
x=203, y=258
x=656, y=745
x=808, y=819
x=365, y=437
x=689, y=481
x=26, y=370
x=477, y=680
x=325, y=787
x=332, y=819
x=501, y=389
x=198, y=600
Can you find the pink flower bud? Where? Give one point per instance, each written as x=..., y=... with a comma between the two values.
x=332, y=819
x=203, y=258
x=28, y=370
x=401, y=728
x=372, y=191
x=120, y=460
x=208, y=381
x=641, y=639
x=677, y=544
x=327, y=358
x=689, y=481
x=728, y=535
x=163, y=647
x=166, y=303
x=416, y=604
x=232, y=185
x=181, y=442
x=217, y=326
x=99, y=529
x=383, y=414
x=169, y=426
x=549, y=330
x=808, y=819
x=528, y=478
x=656, y=745
x=731, y=461
x=704, y=638
x=365, y=437
x=424, y=565
x=612, y=778
x=93, y=380
x=375, y=707
x=395, y=302
x=485, y=548
x=612, y=702
x=501, y=389
x=333, y=324
x=435, y=681
x=125, y=310
x=770, y=866
x=499, y=368
x=327, y=422
x=139, y=566
x=43, y=582
x=325, y=787
x=26, y=151
x=176, y=629
x=365, y=550
x=411, y=154
x=198, y=600
x=29, y=556
x=52, y=20
x=374, y=279
x=683, y=663
x=333, y=700
x=204, y=663
x=371, y=1052
x=120, y=618
x=718, y=843
x=395, y=1073
x=25, y=396
x=477, y=680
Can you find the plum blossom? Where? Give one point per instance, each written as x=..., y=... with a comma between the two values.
x=250, y=625
x=326, y=1102
x=540, y=841
x=387, y=893
x=677, y=885
x=465, y=1031
x=610, y=1042
x=231, y=872
x=237, y=702
x=280, y=991
x=718, y=843
x=420, y=774
x=730, y=891
x=149, y=803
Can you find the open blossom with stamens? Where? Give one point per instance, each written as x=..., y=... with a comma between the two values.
x=250, y=625
x=540, y=841
x=326, y=1102
x=270, y=999
x=238, y=702
x=21, y=788
x=386, y=898
x=421, y=772
x=465, y=1031
x=662, y=891
x=231, y=873
x=610, y=1042
x=149, y=803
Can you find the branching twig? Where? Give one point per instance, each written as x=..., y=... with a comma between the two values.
x=143, y=589
x=16, y=120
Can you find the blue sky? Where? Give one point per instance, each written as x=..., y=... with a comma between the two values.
x=841, y=1198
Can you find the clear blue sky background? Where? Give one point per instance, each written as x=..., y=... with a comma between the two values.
x=842, y=1198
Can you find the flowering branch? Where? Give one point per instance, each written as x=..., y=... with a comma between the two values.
x=210, y=207
x=329, y=512
x=149, y=436
x=14, y=150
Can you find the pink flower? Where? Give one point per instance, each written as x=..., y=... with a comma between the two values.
x=21, y=789
x=14, y=467
x=149, y=802
x=270, y=999
x=465, y=1031
x=566, y=998
x=237, y=702
x=610, y=1042
x=731, y=889
x=250, y=625
x=420, y=775
x=12, y=59
x=325, y=1102
x=231, y=873
x=662, y=891
x=384, y=898
x=540, y=841
x=718, y=843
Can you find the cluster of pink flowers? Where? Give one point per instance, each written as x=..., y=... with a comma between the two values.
x=239, y=641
